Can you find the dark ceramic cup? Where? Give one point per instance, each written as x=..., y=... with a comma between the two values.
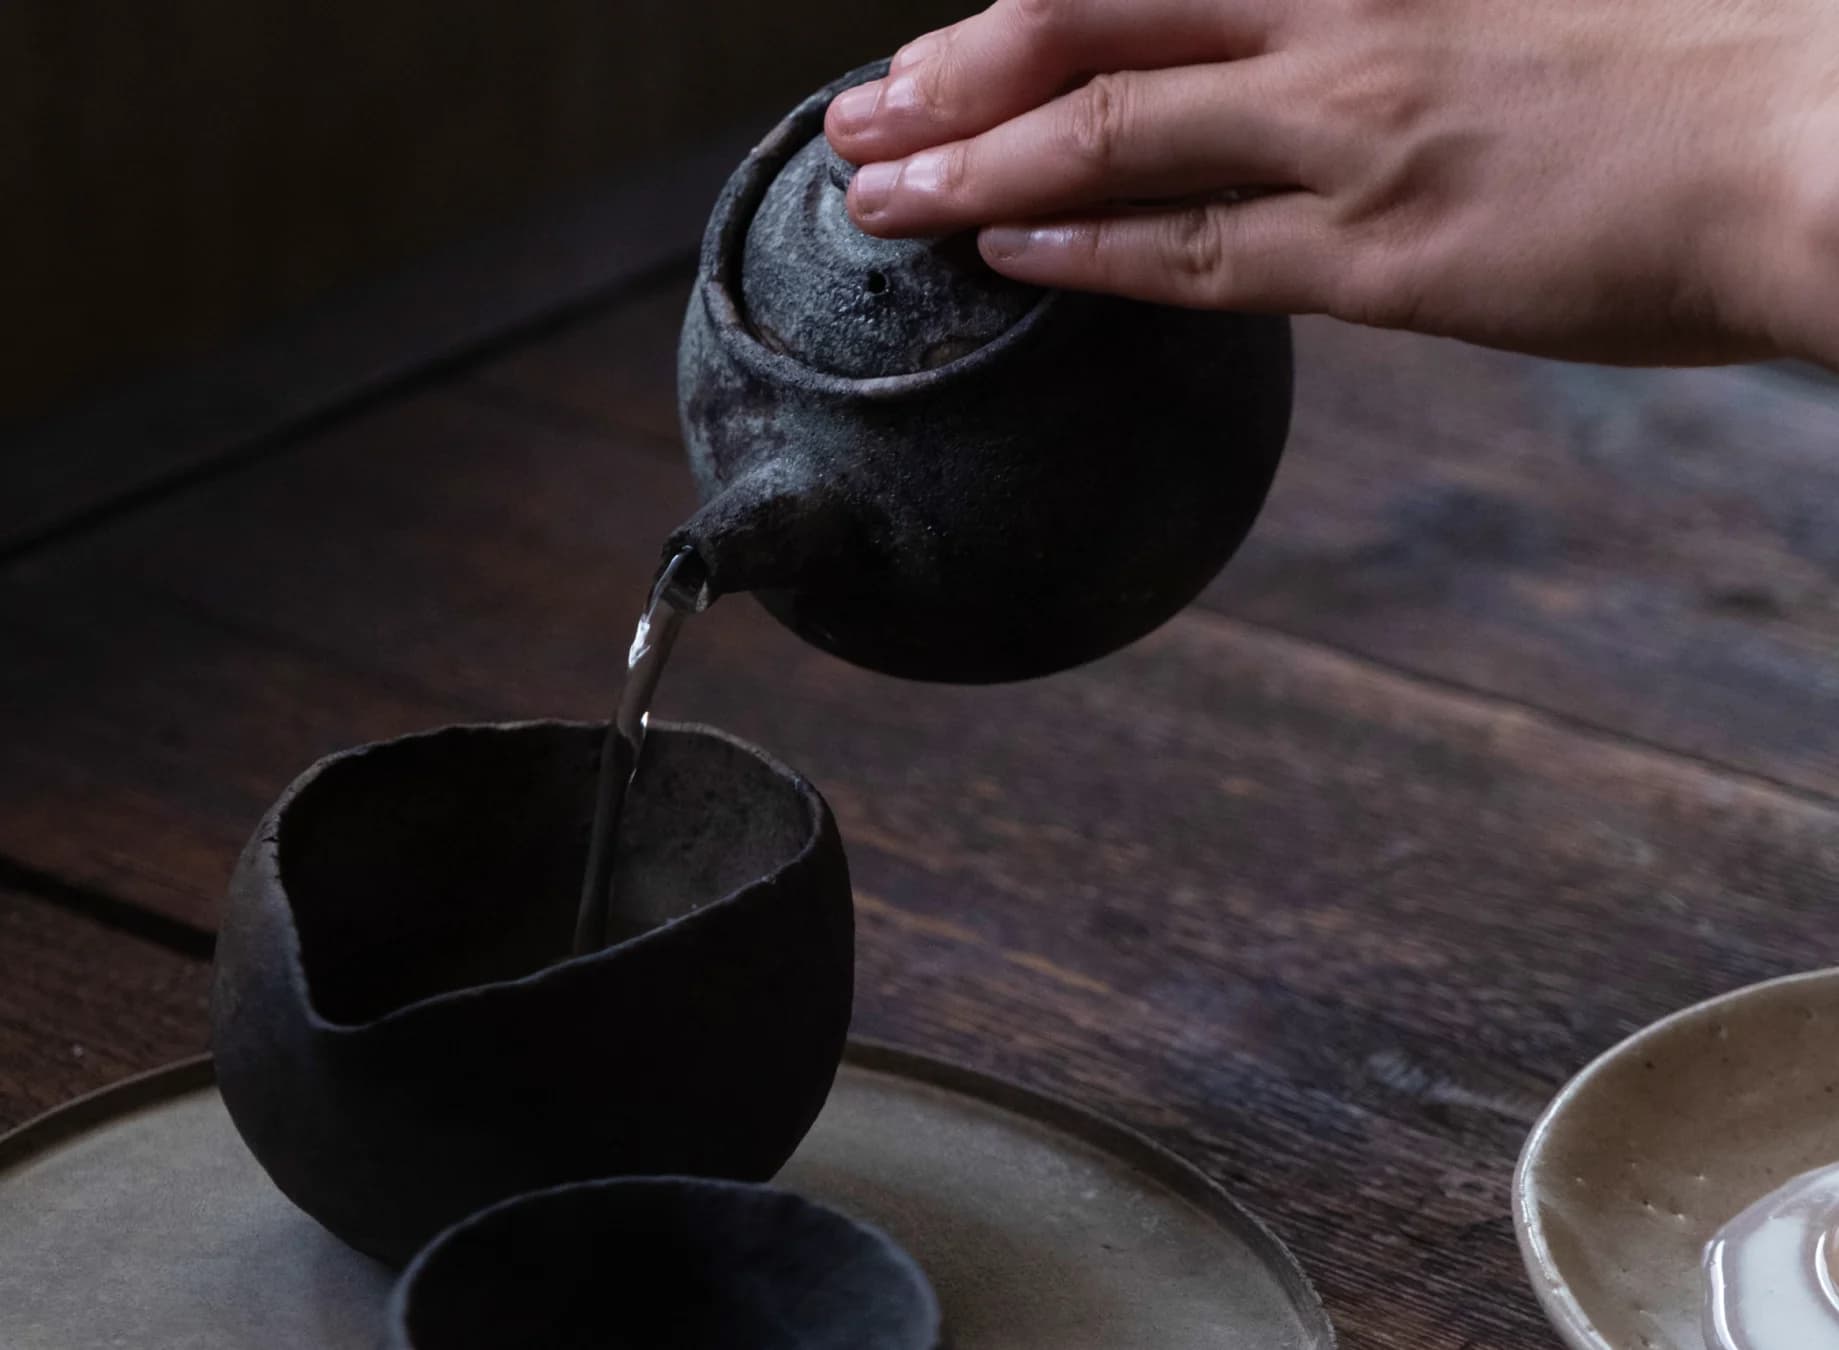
x=402, y=1036
x=689, y=1264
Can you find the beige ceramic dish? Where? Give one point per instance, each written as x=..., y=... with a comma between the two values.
x=1655, y=1146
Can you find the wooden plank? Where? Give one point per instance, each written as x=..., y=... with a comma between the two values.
x=615, y=366
x=1334, y=1127
x=75, y=466
x=83, y=1004
x=1651, y=552
x=1331, y=931
x=185, y=169
x=150, y=737
x=483, y=567
x=1655, y=552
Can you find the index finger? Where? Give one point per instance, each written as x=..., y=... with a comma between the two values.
x=1018, y=54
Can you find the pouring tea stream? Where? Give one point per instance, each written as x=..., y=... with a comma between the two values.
x=677, y=593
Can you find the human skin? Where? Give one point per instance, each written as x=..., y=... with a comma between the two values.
x=1632, y=181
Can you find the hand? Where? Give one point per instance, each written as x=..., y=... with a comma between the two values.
x=1620, y=180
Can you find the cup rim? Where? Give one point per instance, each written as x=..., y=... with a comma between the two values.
x=396, y=1312
x=265, y=856
x=1550, y=1284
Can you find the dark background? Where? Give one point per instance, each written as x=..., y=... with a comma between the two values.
x=172, y=174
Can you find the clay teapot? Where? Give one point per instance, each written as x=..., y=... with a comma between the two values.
x=934, y=472
x=404, y=1035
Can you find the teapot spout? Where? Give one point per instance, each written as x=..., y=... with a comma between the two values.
x=767, y=530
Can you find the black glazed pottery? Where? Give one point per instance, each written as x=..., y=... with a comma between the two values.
x=402, y=1036
x=662, y=1262
x=933, y=472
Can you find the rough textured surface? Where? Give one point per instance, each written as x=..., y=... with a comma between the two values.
x=402, y=1038
x=83, y=1004
x=1331, y=913
x=696, y=1265
x=816, y=288
x=1039, y=1228
x=1666, y=1140
x=1653, y=552
x=1042, y=488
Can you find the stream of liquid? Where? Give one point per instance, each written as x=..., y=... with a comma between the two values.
x=1772, y=1273
x=677, y=594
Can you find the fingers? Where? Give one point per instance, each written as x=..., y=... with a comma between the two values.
x=1154, y=134
x=924, y=46
x=1274, y=254
x=1020, y=53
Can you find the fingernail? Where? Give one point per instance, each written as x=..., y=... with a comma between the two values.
x=873, y=185
x=854, y=108
x=902, y=94
x=1006, y=242
x=925, y=172
x=914, y=52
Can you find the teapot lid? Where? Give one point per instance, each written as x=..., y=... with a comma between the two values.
x=816, y=288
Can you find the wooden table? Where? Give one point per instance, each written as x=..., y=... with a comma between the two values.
x=1511, y=729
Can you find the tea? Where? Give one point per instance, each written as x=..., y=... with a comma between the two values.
x=678, y=593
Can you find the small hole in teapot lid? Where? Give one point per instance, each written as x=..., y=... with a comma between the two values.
x=815, y=287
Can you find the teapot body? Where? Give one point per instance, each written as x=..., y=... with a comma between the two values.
x=1021, y=503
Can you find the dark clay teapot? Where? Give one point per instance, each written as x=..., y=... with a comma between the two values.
x=935, y=472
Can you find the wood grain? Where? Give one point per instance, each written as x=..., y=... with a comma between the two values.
x=71, y=469
x=177, y=173
x=82, y=1005
x=612, y=367
x=1332, y=931
x=1655, y=553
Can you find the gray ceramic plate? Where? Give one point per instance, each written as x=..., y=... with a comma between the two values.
x=136, y=1217
x=1663, y=1140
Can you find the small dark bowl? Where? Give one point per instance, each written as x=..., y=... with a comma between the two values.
x=402, y=1036
x=663, y=1262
